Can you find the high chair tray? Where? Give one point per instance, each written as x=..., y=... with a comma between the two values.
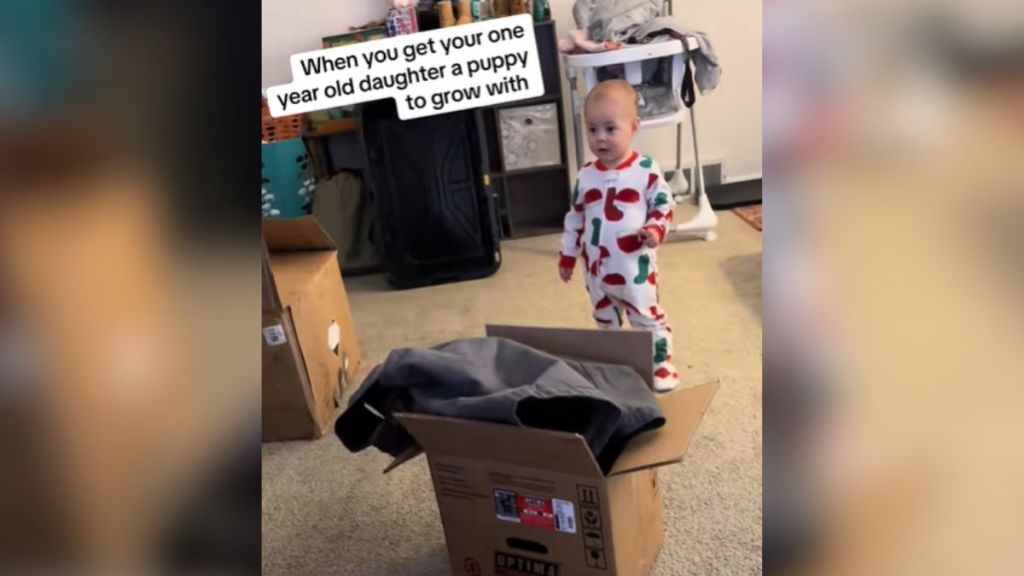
x=628, y=53
x=670, y=119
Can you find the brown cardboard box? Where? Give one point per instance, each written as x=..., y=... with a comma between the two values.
x=309, y=342
x=519, y=501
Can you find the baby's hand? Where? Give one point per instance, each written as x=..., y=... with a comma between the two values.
x=648, y=238
x=565, y=273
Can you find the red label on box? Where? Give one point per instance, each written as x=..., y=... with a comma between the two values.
x=546, y=513
x=536, y=512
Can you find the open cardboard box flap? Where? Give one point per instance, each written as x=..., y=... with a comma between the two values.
x=683, y=411
x=295, y=234
x=530, y=447
x=631, y=348
x=560, y=451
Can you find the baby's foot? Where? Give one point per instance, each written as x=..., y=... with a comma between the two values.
x=666, y=378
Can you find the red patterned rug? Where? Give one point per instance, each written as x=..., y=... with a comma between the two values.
x=750, y=214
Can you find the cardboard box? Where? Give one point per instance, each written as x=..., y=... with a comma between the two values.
x=309, y=342
x=520, y=501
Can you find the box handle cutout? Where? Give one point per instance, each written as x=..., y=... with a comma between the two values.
x=527, y=545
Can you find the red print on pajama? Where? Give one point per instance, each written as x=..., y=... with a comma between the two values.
x=603, y=226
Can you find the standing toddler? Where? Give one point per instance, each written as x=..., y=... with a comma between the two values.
x=620, y=212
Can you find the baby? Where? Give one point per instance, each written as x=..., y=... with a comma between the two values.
x=620, y=212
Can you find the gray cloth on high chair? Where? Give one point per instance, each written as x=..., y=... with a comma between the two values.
x=706, y=70
x=499, y=380
x=613, y=20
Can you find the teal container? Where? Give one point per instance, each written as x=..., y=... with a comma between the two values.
x=288, y=182
x=540, y=10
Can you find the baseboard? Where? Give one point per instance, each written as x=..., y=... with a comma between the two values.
x=732, y=194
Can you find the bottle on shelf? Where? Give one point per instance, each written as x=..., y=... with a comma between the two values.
x=464, y=13
x=444, y=10
x=486, y=9
x=540, y=10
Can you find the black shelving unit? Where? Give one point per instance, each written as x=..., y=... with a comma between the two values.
x=532, y=201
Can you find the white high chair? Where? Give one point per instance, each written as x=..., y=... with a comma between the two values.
x=632, y=57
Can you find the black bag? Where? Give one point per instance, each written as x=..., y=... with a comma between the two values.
x=436, y=220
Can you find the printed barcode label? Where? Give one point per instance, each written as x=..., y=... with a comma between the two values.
x=274, y=335
x=565, y=516
x=506, y=504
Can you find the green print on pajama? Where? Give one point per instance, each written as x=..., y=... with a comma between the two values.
x=595, y=236
x=661, y=199
x=646, y=162
x=645, y=265
x=661, y=350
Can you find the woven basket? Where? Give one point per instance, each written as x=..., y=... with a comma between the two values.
x=284, y=128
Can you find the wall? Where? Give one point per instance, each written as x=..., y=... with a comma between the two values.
x=728, y=119
x=291, y=26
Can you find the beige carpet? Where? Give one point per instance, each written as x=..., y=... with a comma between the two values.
x=329, y=512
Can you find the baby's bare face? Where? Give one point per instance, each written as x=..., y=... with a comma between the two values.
x=610, y=128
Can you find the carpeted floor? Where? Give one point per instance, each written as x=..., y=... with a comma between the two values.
x=328, y=512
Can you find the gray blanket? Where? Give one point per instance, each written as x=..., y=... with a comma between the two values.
x=706, y=70
x=498, y=380
x=613, y=20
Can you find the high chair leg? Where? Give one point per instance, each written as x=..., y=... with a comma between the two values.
x=704, y=223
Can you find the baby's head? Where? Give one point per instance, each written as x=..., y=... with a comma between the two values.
x=612, y=119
